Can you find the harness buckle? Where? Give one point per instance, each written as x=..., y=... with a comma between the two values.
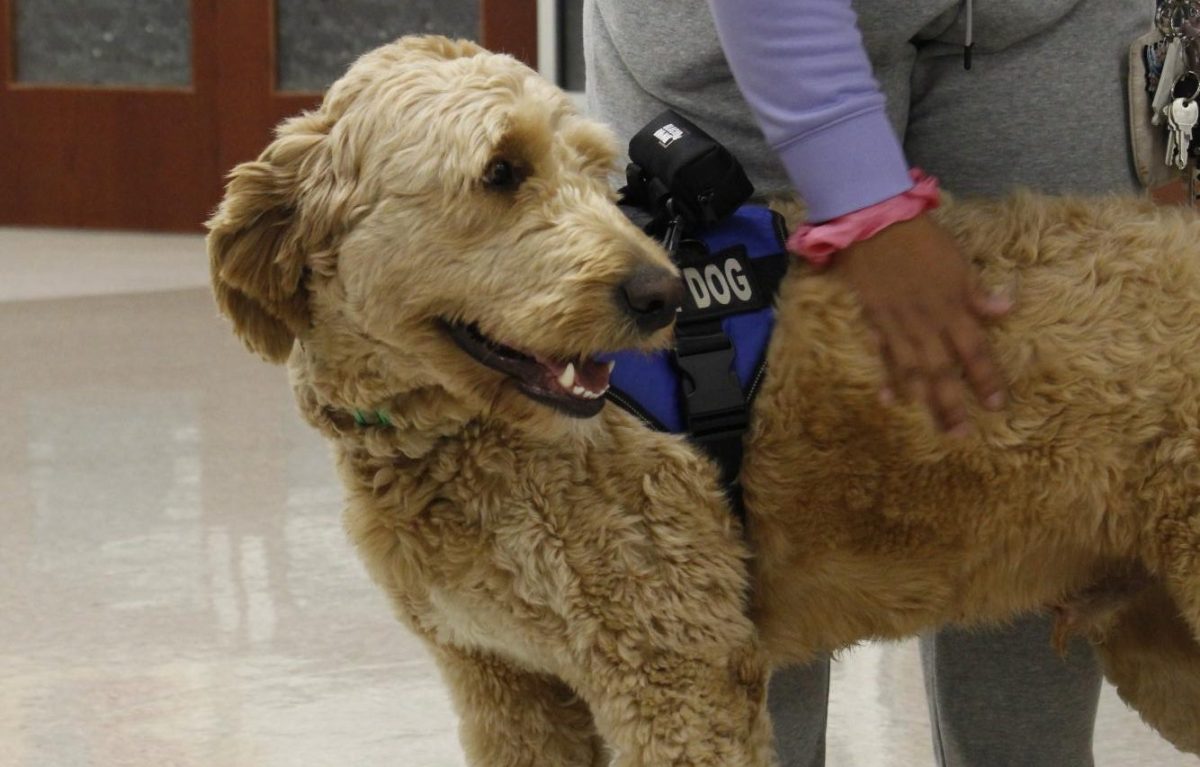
x=715, y=410
x=712, y=395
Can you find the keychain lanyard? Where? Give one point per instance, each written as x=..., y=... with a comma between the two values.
x=1177, y=97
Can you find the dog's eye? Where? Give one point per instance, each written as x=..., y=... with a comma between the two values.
x=502, y=174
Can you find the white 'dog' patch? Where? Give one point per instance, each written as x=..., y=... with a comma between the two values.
x=720, y=284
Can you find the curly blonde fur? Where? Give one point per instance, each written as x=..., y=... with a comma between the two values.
x=582, y=583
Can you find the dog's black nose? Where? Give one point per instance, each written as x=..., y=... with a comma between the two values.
x=651, y=295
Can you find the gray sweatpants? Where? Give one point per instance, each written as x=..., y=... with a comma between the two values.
x=1000, y=698
x=996, y=698
x=1044, y=107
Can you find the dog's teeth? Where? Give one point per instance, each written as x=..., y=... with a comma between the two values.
x=610, y=365
x=579, y=391
x=567, y=379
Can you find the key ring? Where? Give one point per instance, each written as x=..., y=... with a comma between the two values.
x=1187, y=100
x=1172, y=17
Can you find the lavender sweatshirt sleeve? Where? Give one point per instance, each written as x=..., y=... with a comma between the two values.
x=802, y=68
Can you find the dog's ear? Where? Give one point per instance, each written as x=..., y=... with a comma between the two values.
x=257, y=243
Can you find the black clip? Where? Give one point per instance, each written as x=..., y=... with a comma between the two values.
x=714, y=407
x=713, y=398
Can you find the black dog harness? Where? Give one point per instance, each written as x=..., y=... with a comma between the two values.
x=704, y=387
x=688, y=191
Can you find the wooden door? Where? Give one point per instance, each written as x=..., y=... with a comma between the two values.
x=84, y=150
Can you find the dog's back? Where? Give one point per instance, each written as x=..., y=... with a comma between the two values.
x=870, y=523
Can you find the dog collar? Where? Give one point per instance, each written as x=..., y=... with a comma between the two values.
x=355, y=419
x=372, y=418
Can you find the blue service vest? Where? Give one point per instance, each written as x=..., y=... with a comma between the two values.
x=732, y=281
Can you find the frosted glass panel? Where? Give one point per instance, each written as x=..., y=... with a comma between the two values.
x=318, y=39
x=104, y=42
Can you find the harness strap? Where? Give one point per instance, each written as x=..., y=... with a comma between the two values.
x=769, y=270
x=716, y=409
x=732, y=275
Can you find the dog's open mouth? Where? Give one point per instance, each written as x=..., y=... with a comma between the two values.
x=575, y=387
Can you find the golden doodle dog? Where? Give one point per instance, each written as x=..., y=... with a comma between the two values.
x=436, y=253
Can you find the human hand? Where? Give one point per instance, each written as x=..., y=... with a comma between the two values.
x=927, y=309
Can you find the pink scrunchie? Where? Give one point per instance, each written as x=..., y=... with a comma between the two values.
x=818, y=243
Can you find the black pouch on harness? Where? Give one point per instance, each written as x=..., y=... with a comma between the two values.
x=678, y=171
x=682, y=183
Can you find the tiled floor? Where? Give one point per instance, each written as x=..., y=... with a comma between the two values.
x=175, y=588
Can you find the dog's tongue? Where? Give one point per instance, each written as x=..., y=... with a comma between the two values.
x=578, y=377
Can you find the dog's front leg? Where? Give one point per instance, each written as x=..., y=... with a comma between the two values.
x=674, y=709
x=515, y=718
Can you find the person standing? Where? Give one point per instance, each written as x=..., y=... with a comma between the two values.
x=835, y=101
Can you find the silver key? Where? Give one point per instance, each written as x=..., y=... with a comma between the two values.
x=1174, y=68
x=1182, y=116
x=1172, y=138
